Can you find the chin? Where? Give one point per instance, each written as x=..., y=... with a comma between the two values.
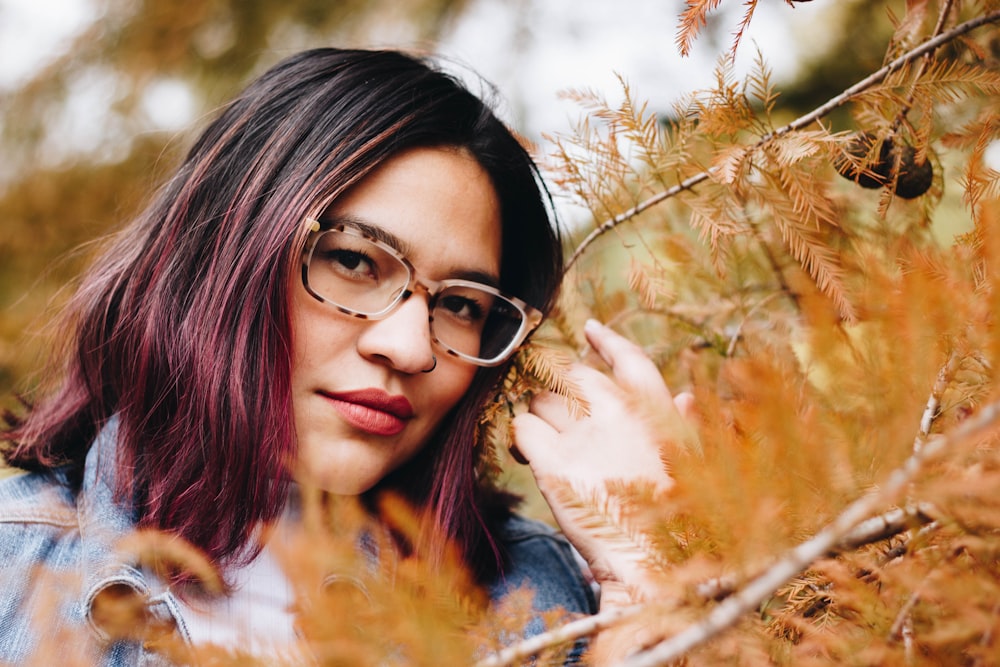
x=341, y=465
x=340, y=480
x=338, y=484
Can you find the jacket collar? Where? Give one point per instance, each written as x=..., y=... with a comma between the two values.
x=103, y=521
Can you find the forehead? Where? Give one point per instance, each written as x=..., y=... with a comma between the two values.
x=437, y=206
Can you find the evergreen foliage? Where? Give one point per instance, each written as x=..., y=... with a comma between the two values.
x=836, y=503
x=840, y=350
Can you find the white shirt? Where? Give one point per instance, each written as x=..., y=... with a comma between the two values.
x=256, y=615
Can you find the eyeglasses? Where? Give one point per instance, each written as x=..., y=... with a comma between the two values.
x=363, y=277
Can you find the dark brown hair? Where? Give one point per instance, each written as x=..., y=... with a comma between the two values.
x=181, y=331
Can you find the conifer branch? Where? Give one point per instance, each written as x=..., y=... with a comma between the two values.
x=779, y=274
x=942, y=17
x=884, y=526
x=879, y=75
x=692, y=20
x=987, y=638
x=624, y=216
x=738, y=333
x=568, y=632
x=898, y=630
x=933, y=407
x=798, y=559
x=878, y=528
x=819, y=112
x=853, y=528
x=868, y=531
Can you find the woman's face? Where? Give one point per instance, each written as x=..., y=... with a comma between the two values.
x=361, y=401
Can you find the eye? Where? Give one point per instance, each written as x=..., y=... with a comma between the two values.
x=351, y=264
x=462, y=308
x=348, y=258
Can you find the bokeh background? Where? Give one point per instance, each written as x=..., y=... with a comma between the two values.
x=99, y=98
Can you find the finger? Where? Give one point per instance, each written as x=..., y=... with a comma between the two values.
x=517, y=454
x=553, y=409
x=686, y=427
x=533, y=438
x=686, y=405
x=631, y=367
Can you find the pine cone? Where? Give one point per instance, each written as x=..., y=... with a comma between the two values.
x=914, y=179
x=859, y=147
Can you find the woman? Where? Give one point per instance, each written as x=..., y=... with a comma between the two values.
x=323, y=292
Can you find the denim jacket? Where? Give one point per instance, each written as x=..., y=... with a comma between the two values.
x=69, y=541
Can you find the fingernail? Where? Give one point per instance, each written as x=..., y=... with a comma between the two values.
x=592, y=326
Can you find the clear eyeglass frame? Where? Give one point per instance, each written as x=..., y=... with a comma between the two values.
x=530, y=316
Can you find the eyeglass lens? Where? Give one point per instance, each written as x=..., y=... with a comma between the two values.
x=360, y=276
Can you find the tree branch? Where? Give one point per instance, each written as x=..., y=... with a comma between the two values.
x=849, y=533
x=942, y=17
x=798, y=559
x=869, y=531
x=564, y=633
x=933, y=407
x=874, y=78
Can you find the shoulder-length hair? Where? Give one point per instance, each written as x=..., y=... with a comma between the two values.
x=182, y=329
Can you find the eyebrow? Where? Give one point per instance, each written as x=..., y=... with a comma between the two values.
x=403, y=248
x=368, y=229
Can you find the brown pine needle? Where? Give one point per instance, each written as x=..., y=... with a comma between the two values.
x=819, y=112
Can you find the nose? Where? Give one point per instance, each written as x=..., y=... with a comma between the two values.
x=403, y=339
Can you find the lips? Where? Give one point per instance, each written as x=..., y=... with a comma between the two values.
x=372, y=410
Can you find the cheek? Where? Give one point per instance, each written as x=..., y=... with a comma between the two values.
x=451, y=386
x=299, y=319
x=317, y=332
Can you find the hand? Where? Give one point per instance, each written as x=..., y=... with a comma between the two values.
x=617, y=441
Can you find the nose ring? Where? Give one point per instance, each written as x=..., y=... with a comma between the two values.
x=433, y=366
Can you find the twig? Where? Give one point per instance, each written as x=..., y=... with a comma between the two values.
x=564, y=633
x=901, y=549
x=987, y=637
x=731, y=348
x=869, y=531
x=611, y=223
x=884, y=526
x=896, y=632
x=814, y=115
x=933, y=406
x=779, y=272
x=942, y=17
x=857, y=533
x=798, y=559
x=898, y=629
x=902, y=627
x=908, y=640
x=879, y=75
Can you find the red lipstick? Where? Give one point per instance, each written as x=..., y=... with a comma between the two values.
x=372, y=410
